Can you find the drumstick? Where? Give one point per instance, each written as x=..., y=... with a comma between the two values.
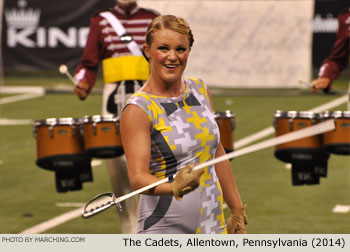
x=305, y=83
x=64, y=70
x=302, y=133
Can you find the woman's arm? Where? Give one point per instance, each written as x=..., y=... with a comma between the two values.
x=227, y=181
x=238, y=219
x=136, y=138
x=225, y=174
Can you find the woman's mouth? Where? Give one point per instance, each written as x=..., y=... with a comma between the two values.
x=171, y=66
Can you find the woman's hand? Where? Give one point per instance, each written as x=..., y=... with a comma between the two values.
x=237, y=221
x=186, y=181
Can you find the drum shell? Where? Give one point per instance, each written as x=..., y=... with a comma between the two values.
x=58, y=140
x=303, y=150
x=103, y=139
x=338, y=141
x=226, y=123
x=287, y=125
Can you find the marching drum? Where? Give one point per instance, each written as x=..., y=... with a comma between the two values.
x=297, y=150
x=102, y=137
x=226, y=123
x=338, y=140
x=58, y=142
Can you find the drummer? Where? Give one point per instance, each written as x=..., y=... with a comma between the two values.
x=124, y=69
x=338, y=59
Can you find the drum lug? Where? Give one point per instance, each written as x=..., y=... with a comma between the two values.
x=35, y=133
x=233, y=123
x=51, y=131
x=74, y=129
x=291, y=123
x=94, y=128
x=82, y=129
x=117, y=125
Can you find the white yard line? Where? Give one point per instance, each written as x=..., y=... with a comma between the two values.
x=254, y=137
x=20, y=97
x=42, y=227
x=51, y=223
x=341, y=209
x=22, y=89
x=70, y=204
x=7, y=122
x=26, y=94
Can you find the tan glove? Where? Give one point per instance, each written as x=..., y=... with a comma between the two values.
x=319, y=84
x=237, y=221
x=82, y=90
x=185, y=181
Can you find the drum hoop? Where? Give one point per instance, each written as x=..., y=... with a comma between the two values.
x=226, y=114
x=335, y=114
x=295, y=114
x=57, y=122
x=100, y=118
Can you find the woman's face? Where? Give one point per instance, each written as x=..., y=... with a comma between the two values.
x=168, y=55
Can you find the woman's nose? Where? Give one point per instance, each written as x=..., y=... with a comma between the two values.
x=172, y=55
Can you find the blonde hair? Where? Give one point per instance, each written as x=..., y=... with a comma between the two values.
x=170, y=22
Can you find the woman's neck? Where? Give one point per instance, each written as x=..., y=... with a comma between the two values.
x=164, y=89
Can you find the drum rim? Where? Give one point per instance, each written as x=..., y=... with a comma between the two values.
x=295, y=114
x=57, y=121
x=335, y=114
x=224, y=114
x=100, y=118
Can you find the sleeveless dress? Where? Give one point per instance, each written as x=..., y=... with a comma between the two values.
x=183, y=131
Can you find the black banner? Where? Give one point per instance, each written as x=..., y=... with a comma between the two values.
x=325, y=25
x=42, y=34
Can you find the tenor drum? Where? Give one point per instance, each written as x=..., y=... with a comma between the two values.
x=297, y=150
x=59, y=143
x=226, y=123
x=338, y=140
x=102, y=138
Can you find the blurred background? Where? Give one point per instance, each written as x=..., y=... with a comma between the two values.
x=255, y=57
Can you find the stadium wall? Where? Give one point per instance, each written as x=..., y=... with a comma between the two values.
x=238, y=44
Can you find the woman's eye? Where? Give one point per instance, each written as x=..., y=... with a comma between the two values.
x=181, y=49
x=163, y=48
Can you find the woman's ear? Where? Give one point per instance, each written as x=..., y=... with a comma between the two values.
x=145, y=51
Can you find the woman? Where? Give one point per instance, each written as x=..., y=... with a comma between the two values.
x=167, y=127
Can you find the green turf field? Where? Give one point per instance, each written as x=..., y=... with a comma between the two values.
x=28, y=195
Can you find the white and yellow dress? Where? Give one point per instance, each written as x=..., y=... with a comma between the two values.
x=183, y=131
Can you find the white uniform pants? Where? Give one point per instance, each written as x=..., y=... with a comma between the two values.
x=119, y=179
